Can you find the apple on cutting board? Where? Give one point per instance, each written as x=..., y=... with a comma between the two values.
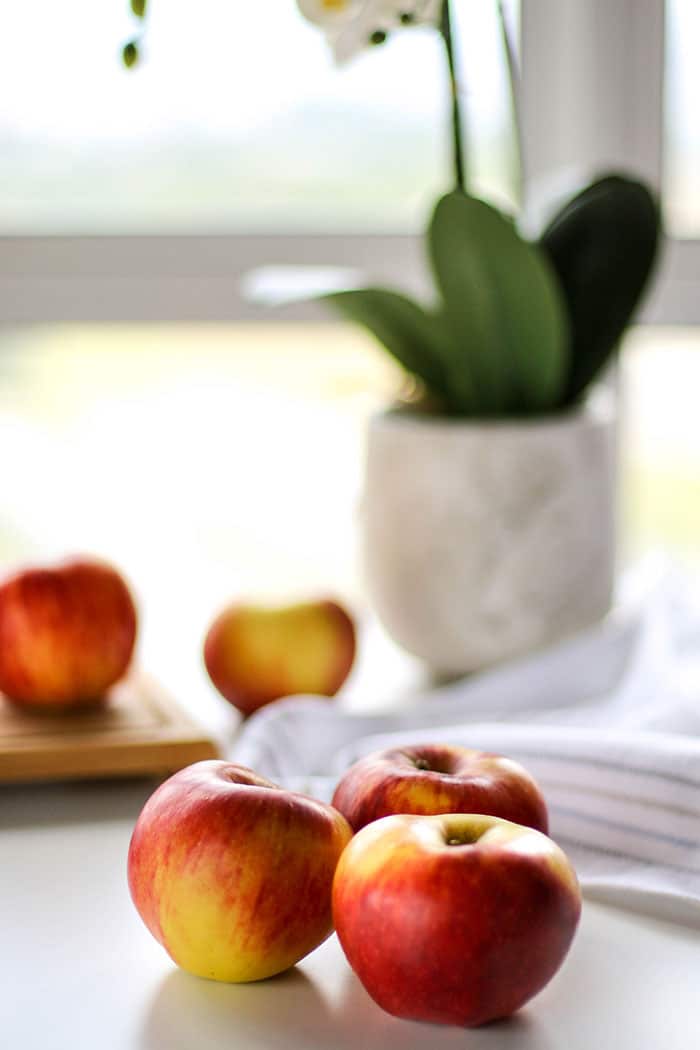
x=67, y=634
x=457, y=919
x=439, y=778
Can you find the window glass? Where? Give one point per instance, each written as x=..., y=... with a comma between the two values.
x=236, y=120
x=682, y=145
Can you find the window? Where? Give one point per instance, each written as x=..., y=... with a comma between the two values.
x=236, y=121
x=682, y=139
x=251, y=400
x=608, y=85
x=228, y=125
x=237, y=145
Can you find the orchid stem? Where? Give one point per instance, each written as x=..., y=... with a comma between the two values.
x=457, y=125
x=514, y=89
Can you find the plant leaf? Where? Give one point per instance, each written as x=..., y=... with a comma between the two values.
x=603, y=246
x=416, y=338
x=502, y=305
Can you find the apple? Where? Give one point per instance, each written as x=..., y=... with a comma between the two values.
x=439, y=778
x=255, y=655
x=457, y=919
x=232, y=874
x=67, y=634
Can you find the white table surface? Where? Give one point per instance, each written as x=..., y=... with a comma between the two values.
x=78, y=970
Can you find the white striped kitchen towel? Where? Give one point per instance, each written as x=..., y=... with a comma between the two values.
x=609, y=724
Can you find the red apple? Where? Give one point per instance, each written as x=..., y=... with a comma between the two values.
x=458, y=919
x=233, y=875
x=255, y=655
x=66, y=634
x=439, y=778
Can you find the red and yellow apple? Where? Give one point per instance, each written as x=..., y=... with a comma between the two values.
x=457, y=919
x=439, y=778
x=255, y=655
x=66, y=634
x=233, y=875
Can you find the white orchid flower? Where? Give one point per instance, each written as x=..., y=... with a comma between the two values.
x=330, y=14
x=352, y=25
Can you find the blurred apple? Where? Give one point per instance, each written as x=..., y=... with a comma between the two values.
x=439, y=778
x=255, y=655
x=66, y=634
x=457, y=919
x=232, y=874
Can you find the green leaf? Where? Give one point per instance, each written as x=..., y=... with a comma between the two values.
x=502, y=305
x=416, y=338
x=138, y=7
x=603, y=246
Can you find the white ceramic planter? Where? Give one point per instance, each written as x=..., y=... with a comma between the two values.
x=486, y=541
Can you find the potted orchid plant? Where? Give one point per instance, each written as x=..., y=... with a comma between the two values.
x=490, y=500
x=489, y=510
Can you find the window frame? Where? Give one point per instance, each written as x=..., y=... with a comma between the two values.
x=179, y=278
x=591, y=98
x=606, y=113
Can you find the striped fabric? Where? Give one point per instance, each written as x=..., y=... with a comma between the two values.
x=608, y=723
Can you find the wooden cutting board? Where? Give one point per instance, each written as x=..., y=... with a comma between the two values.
x=140, y=730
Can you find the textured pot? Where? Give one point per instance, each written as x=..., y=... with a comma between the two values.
x=487, y=540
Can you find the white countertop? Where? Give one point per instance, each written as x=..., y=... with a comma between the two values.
x=78, y=971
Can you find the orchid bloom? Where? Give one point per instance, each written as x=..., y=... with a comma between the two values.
x=352, y=25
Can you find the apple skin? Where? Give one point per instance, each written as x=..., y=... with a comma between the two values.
x=439, y=778
x=67, y=634
x=255, y=655
x=233, y=875
x=455, y=934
